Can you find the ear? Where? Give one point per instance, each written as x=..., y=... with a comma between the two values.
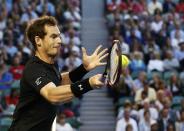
x=38, y=41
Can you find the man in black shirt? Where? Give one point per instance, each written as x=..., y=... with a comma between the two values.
x=42, y=86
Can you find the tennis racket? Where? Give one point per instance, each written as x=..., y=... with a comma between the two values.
x=112, y=71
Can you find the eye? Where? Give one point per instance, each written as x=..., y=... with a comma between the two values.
x=54, y=36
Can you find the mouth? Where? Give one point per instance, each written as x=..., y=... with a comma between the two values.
x=57, y=46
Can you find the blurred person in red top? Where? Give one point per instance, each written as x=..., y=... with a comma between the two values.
x=180, y=6
x=12, y=98
x=113, y=4
x=16, y=69
x=139, y=6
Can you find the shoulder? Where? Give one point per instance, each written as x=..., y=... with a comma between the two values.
x=33, y=68
x=132, y=121
x=121, y=121
x=33, y=64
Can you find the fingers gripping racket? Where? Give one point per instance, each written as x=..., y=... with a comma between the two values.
x=113, y=68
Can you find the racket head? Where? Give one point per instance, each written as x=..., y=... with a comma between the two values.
x=114, y=64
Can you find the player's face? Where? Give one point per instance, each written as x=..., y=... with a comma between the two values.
x=52, y=41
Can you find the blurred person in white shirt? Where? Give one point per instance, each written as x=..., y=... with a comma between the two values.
x=61, y=124
x=180, y=124
x=146, y=106
x=126, y=120
x=155, y=63
x=157, y=24
x=145, y=123
x=153, y=5
x=150, y=93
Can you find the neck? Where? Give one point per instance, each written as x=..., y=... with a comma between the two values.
x=126, y=119
x=45, y=58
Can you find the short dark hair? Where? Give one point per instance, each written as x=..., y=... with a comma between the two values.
x=36, y=27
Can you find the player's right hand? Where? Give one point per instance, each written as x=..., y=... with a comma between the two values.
x=95, y=81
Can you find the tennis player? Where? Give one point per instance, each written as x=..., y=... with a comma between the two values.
x=42, y=86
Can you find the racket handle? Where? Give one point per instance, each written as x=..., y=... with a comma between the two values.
x=104, y=77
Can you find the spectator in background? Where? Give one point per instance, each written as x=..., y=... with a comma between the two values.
x=129, y=128
x=170, y=127
x=9, y=44
x=2, y=22
x=128, y=78
x=162, y=86
x=62, y=125
x=125, y=49
x=139, y=6
x=170, y=63
x=126, y=120
x=176, y=40
x=114, y=17
x=159, y=103
x=137, y=63
x=12, y=98
x=180, y=124
x=121, y=89
x=138, y=83
x=172, y=112
x=146, y=107
x=113, y=4
x=127, y=104
x=155, y=63
x=167, y=45
x=45, y=4
x=146, y=90
x=179, y=54
x=154, y=126
x=168, y=5
x=28, y=14
x=17, y=69
x=72, y=37
x=149, y=48
x=72, y=15
x=177, y=30
x=157, y=24
x=72, y=61
x=145, y=123
x=174, y=85
x=165, y=120
x=5, y=77
x=153, y=5
x=180, y=6
x=155, y=81
x=178, y=112
x=133, y=36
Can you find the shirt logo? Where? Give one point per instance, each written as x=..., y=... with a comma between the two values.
x=38, y=82
x=80, y=87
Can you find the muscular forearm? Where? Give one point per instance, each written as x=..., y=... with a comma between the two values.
x=64, y=93
x=61, y=94
x=58, y=94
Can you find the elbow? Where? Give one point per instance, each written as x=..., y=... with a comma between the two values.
x=54, y=101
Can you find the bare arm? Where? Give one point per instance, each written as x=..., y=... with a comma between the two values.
x=65, y=78
x=63, y=93
x=60, y=94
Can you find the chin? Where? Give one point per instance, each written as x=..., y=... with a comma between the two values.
x=53, y=54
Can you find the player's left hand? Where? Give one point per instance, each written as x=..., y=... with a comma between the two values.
x=94, y=60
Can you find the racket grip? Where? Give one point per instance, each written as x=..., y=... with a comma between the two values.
x=103, y=79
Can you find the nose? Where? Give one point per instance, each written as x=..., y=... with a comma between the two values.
x=59, y=40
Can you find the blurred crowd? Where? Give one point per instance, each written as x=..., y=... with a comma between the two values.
x=149, y=96
x=15, y=50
